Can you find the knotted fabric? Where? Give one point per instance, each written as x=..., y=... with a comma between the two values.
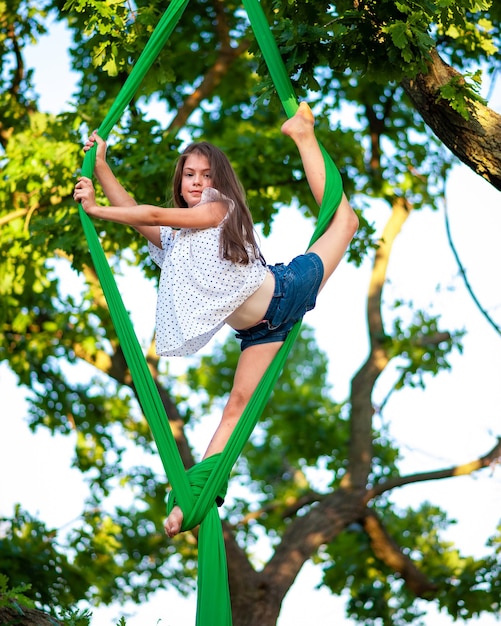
x=198, y=476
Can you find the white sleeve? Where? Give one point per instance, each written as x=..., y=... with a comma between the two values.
x=156, y=253
x=209, y=194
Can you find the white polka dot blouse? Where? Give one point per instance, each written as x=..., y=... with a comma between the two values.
x=198, y=289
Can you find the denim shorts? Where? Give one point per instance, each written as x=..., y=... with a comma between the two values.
x=296, y=290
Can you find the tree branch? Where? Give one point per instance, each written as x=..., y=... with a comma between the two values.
x=28, y=617
x=176, y=421
x=488, y=459
x=388, y=551
x=360, y=456
x=13, y=215
x=307, y=533
x=215, y=74
x=430, y=341
x=286, y=512
x=462, y=271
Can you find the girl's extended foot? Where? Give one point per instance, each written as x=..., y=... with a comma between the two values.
x=300, y=124
x=300, y=128
x=174, y=522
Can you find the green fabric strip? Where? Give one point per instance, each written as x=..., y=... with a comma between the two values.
x=332, y=197
x=211, y=479
x=147, y=391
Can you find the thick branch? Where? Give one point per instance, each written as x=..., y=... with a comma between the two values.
x=13, y=215
x=302, y=538
x=287, y=511
x=476, y=141
x=176, y=421
x=360, y=457
x=243, y=579
x=264, y=591
x=388, y=551
x=488, y=459
x=377, y=128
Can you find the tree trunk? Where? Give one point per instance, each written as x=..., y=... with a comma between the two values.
x=22, y=616
x=257, y=597
x=475, y=141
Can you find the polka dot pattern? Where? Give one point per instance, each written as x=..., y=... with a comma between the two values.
x=198, y=289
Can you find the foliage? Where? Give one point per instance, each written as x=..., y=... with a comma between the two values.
x=348, y=59
x=15, y=595
x=30, y=552
x=15, y=598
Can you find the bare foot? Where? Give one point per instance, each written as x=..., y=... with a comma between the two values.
x=174, y=522
x=300, y=128
x=301, y=123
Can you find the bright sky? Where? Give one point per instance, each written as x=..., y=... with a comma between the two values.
x=454, y=420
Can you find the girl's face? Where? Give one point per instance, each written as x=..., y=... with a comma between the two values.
x=196, y=177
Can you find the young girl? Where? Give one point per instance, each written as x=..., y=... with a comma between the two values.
x=212, y=270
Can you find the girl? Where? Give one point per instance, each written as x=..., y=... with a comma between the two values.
x=212, y=270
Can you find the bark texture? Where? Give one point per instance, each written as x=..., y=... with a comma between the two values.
x=21, y=616
x=476, y=141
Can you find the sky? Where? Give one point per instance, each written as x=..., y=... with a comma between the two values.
x=453, y=420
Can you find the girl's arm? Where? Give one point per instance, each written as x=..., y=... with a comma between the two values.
x=202, y=216
x=112, y=188
x=147, y=218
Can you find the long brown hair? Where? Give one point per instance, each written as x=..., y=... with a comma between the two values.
x=237, y=234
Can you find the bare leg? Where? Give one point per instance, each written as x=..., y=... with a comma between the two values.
x=332, y=245
x=300, y=128
x=252, y=365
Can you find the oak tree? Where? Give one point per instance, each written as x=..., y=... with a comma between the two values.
x=395, y=86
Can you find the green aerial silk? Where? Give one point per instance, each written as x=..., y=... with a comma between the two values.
x=196, y=490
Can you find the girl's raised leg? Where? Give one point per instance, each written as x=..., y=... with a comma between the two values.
x=332, y=244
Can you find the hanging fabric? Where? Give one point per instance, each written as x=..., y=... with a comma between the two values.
x=197, y=489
